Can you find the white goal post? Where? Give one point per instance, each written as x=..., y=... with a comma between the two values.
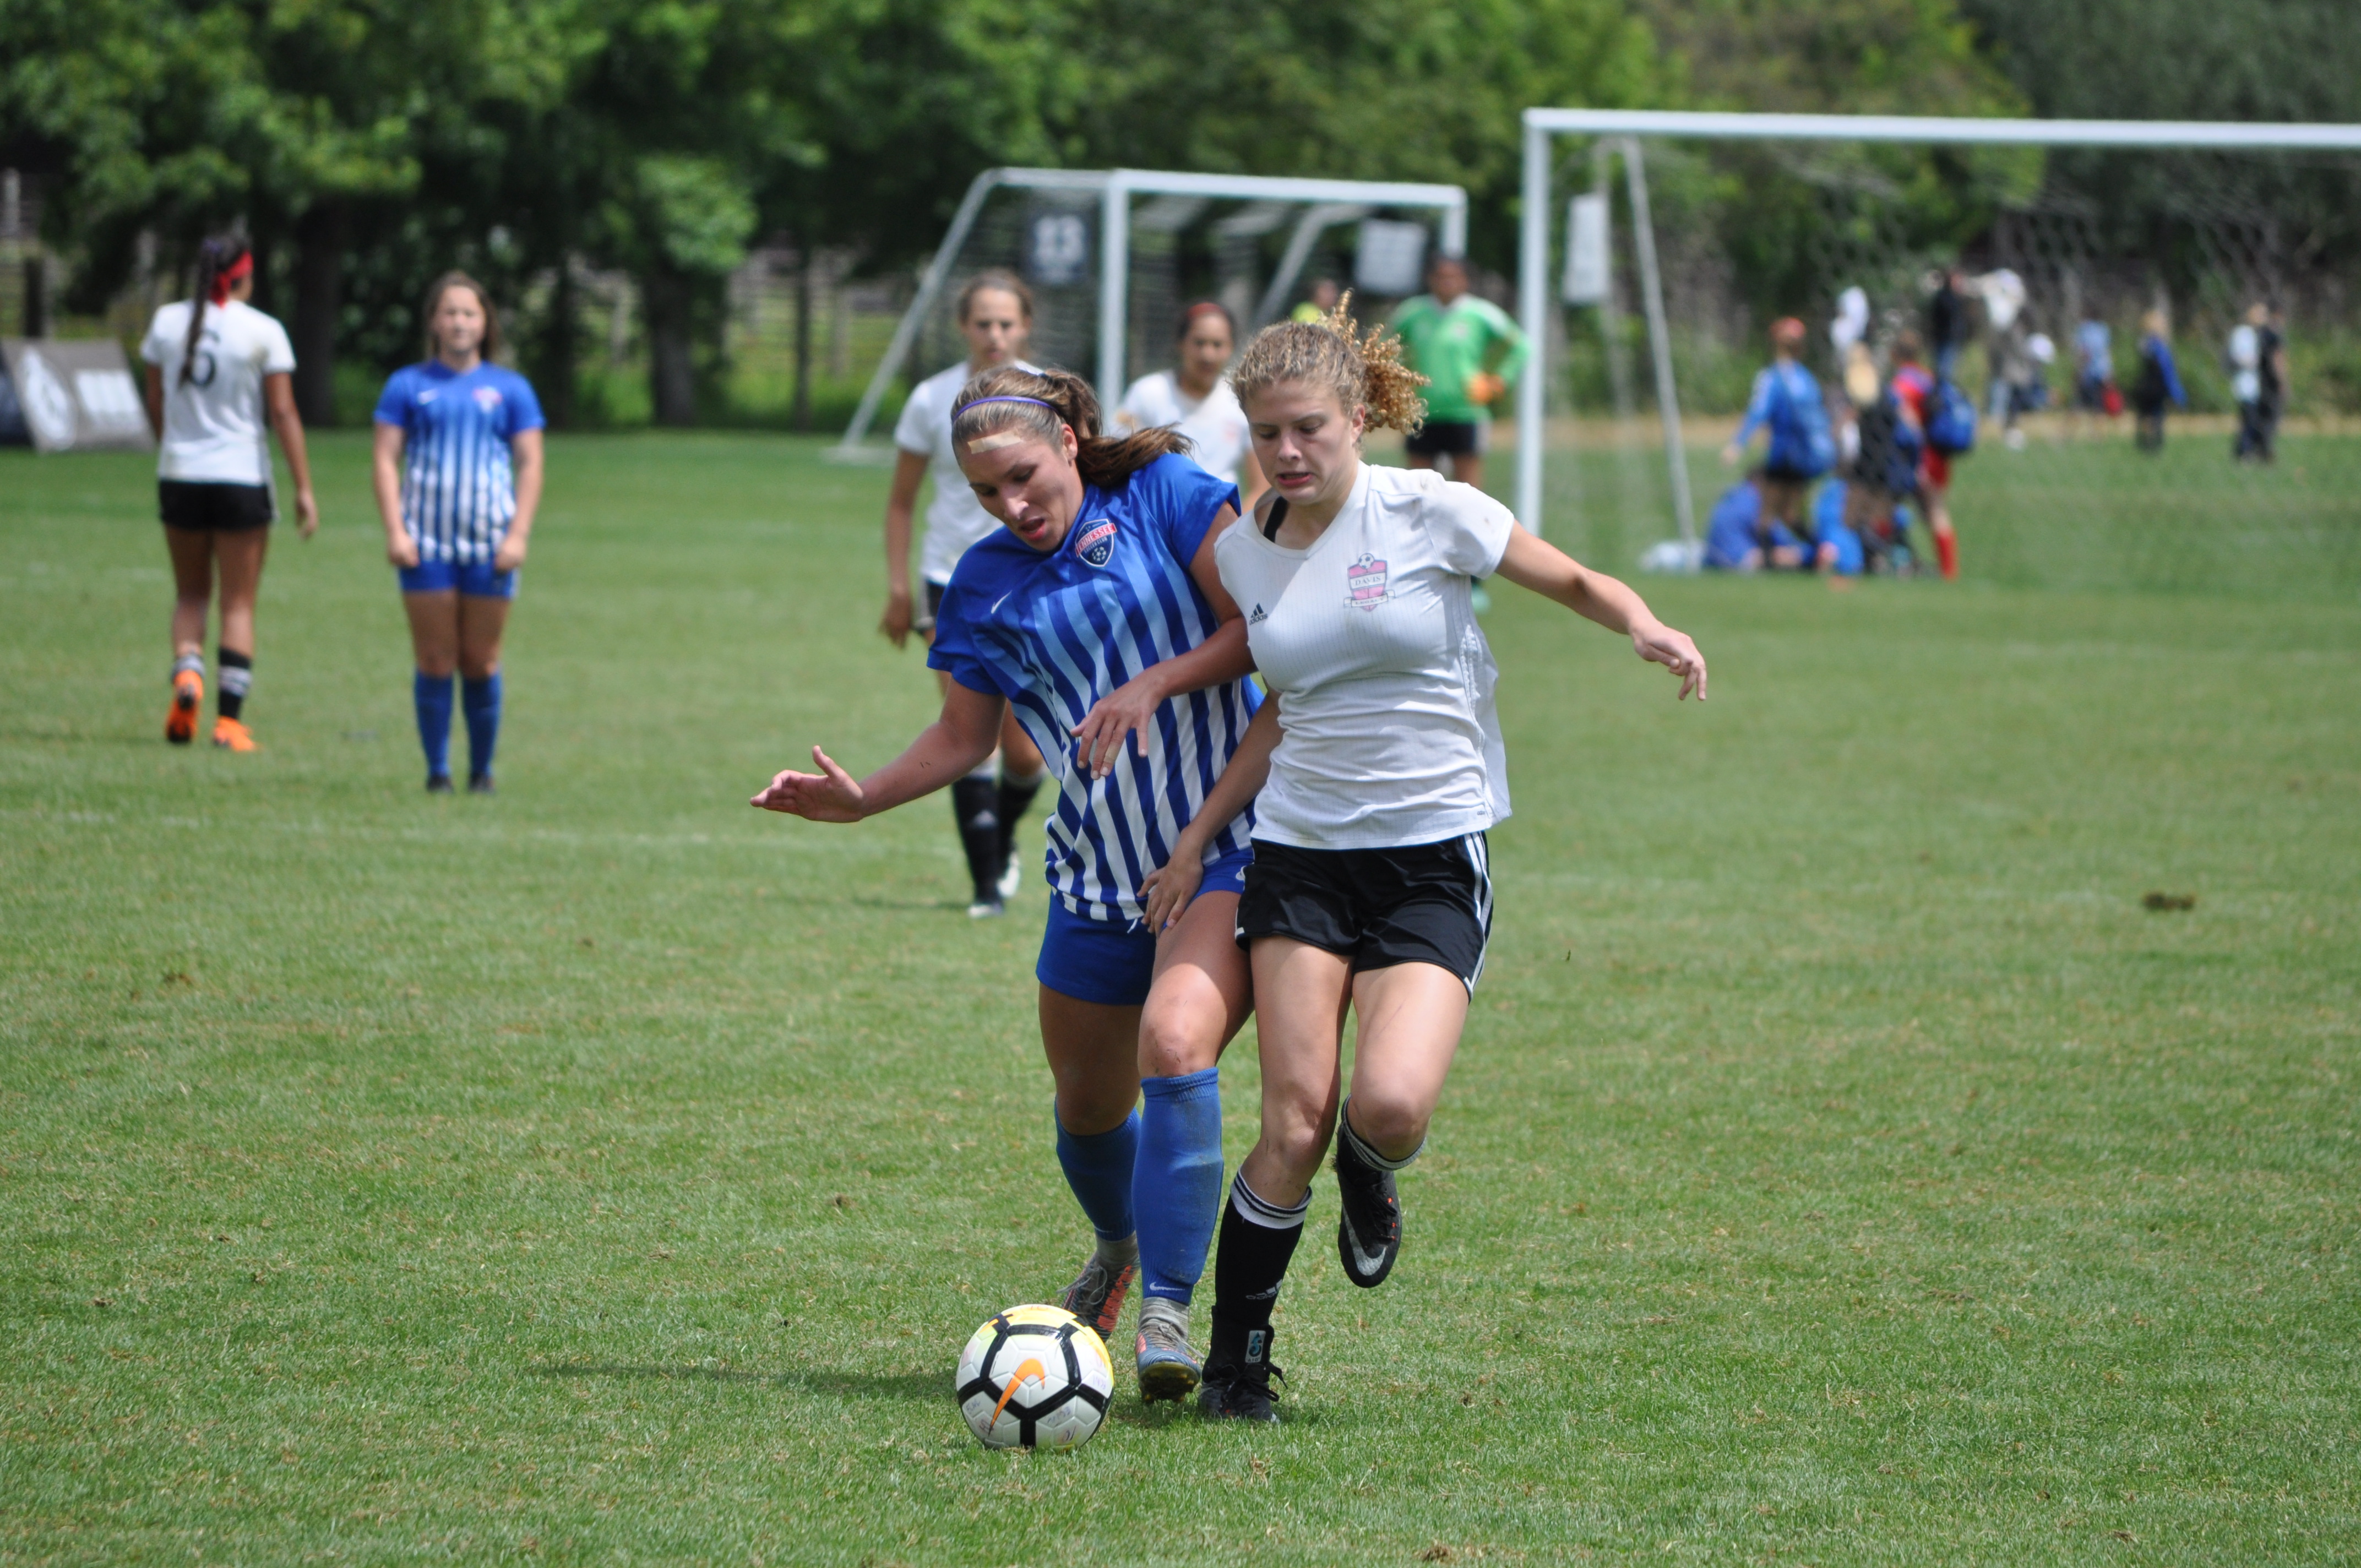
x=1544, y=126
x=1325, y=204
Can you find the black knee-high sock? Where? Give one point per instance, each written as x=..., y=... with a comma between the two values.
x=1258, y=1239
x=1016, y=799
x=237, y=680
x=973, y=808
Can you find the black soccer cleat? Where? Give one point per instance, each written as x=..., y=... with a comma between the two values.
x=479, y=783
x=1368, y=1231
x=438, y=783
x=1238, y=1370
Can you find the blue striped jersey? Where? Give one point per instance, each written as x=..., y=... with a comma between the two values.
x=458, y=486
x=1055, y=631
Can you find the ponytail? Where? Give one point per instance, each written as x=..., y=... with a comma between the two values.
x=1364, y=369
x=1038, y=403
x=219, y=255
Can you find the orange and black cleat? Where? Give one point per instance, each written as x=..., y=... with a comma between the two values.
x=188, y=696
x=231, y=735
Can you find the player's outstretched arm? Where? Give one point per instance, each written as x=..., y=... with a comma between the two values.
x=1530, y=562
x=1221, y=657
x=1171, y=885
x=949, y=749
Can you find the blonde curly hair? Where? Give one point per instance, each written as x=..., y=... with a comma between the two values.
x=1363, y=369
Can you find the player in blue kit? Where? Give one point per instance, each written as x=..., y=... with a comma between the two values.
x=1096, y=613
x=458, y=481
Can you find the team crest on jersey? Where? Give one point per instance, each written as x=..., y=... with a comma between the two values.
x=1096, y=546
x=1365, y=584
x=487, y=398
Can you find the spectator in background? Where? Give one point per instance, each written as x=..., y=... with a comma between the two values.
x=1785, y=403
x=1947, y=320
x=1325, y=295
x=2257, y=360
x=2157, y=386
x=2094, y=368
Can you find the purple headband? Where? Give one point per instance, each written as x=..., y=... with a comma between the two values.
x=1008, y=399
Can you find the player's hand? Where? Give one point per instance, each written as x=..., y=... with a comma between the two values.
x=1170, y=888
x=1659, y=643
x=895, y=623
x=307, y=515
x=1731, y=455
x=511, y=554
x=1483, y=387
x=1125, y=710
x=828, y=795
x=401, y=549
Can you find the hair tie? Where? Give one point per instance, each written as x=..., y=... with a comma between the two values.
x=226, y=279
x=1009, y=397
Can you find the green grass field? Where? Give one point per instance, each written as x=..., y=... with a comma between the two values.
x=1842, y=1166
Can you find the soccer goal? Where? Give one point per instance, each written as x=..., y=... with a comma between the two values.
x=1112, y=254
x=2038, y=264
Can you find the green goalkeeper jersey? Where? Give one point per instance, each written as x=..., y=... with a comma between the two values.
x=1450, y=345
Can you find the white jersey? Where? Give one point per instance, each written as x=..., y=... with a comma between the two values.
x=214, y=425
x=1368, y=638
x=955, y=519
x=1214, y=423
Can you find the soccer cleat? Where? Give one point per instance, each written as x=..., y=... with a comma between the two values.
x=479, y=783
x=438, y=783
x=1012, y=880
x=1368, y=1231
x=1097, y=1297
x=188, y=696
x=1240, y=1390
x=986, y=909
x=231, y=735
x=1168, y=1367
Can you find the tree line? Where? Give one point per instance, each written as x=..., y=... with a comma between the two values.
x=365, y=147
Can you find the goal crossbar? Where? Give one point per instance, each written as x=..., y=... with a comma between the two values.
x=1328, y=203
x=1544, y=126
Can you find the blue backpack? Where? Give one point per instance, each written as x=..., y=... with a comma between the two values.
x=1801, y=442
x=1951, y=420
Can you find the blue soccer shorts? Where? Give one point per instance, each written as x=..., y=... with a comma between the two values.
x=1112, y=963
x=474, y=579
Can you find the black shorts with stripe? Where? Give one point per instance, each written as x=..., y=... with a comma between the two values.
x=1428, y=904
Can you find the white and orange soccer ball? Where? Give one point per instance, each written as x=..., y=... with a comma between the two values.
x=1034, y=1377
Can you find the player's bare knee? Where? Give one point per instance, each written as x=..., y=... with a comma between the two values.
x=1393, y=1124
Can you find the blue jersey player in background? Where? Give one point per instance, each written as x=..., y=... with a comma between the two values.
x=458, y=481
x=1096, y=613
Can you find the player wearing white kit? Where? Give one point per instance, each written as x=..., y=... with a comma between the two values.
x=457, y=474
x=1195, y=400
x=218, y=368
x=1371, y=882
x=995, y=313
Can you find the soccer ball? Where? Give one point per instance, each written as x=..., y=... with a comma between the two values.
x=1034, y=1377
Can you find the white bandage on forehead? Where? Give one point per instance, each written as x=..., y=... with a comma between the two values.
x=994, y=442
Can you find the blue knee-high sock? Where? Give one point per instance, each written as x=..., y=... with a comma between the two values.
x=432, y=694
x=1177, y=1186
x=1098, y=1167
x=481, y=699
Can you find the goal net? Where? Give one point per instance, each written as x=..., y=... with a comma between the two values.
x=1112, y=257
x=2039, y=274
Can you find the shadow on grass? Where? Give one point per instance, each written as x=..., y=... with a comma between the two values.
x=853, y=1385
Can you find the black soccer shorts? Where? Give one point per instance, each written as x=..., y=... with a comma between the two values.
x=1428, y=904
x=215, y=507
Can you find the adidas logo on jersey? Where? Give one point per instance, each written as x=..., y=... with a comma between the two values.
x=1258, y=618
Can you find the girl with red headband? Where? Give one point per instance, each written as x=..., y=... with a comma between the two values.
x=218, y=368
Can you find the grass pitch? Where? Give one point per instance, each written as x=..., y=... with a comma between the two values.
x=1843, y=1165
